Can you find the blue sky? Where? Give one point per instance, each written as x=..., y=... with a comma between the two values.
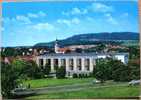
x=28, y=23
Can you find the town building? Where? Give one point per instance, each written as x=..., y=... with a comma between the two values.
x=76, y=62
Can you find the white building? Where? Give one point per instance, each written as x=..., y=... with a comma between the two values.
x=76, y=62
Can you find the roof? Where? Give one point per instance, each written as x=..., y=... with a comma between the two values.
x=81, y=54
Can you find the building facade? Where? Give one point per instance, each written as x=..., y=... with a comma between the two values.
x=76, y=62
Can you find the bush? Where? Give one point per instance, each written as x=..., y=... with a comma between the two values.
x=80, y=75
x=61, y=72
x=47, y=69
x=86, y=75
x=75, y=75
x=90, y=75
x=83, y=75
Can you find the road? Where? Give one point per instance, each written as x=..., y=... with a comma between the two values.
x=67, y=88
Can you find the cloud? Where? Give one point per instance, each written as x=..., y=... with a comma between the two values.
x=78, y=11
x=94, y=7
x=75, y=11
x=69, y=22
x=64, y=21
x=22, y=19
x=43, y=26
x=75, y=21
x=39, y=14
x=110, y=19
x=31, y=15
x=100, y=7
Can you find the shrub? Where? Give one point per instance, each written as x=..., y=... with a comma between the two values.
x=61, y=72
x=80, y=75
x=75, y=75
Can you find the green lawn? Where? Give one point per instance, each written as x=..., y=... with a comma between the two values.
x=104, y=92
x=38, y=83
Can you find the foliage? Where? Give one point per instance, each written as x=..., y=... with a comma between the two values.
x=27, y=70
x=112, y=69
x=8, y=79
x=100, y=47
x=134, y=52
x=60, y=72
x=134, y=70
x=102, y=70
x=120, y=71
x=47, y=69
x=74, y=75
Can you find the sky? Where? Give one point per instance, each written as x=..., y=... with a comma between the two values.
x=28, y=23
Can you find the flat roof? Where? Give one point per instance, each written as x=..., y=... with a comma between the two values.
x=82, y=54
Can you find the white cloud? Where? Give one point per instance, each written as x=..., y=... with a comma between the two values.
x=78, y=11
x=69, y=22
x=22, y=19
x=110, y=19
x=94, y=7
x=75, y=11
x=31, y=15
x=75, y=21
x=43, y=26
x=42, y=14
x=100, y=7
x=39, y=14
x=64, y=21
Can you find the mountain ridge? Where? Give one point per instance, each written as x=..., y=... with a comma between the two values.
x=90, y=38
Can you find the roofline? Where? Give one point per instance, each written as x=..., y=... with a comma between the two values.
x=82, y=54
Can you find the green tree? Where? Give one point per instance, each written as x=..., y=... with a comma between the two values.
x=134, y=67
x=120, y=72
x=134, y=52
x=47, y=69
x=102, y=71
x=107, y=69
x=8, y=79
x=27, y=70
x=61, y=72
x=100, y=47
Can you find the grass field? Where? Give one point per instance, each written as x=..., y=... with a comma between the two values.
x=38, y=83
x=105, y=92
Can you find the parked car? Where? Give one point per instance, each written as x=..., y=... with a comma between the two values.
x=134, y=82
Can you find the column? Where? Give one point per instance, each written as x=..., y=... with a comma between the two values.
x=37, y=61
x=83, y=64
x=75, y=64
x=94, y=62
x=91, y=64
x=67, y=64
x=59, y=62
x=52, y=65
x=44, y=62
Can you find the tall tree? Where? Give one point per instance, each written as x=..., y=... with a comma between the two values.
x=8, y=79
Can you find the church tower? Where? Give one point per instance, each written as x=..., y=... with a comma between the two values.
x=56, y=47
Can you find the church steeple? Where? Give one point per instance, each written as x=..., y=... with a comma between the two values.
x=56, y=47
